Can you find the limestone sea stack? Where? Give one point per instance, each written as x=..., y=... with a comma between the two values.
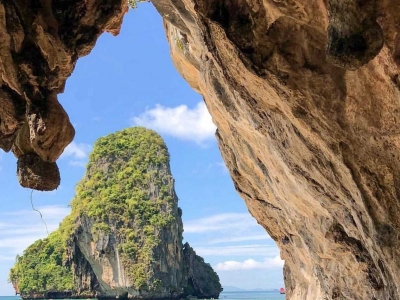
x=123, y=237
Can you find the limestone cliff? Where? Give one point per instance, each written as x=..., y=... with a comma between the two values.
x=123, y=237
x=203, y=282
x=304, y=95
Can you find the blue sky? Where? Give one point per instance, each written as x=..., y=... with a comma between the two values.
x=130, y=80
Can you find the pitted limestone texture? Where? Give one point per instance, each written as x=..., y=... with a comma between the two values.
x=34, y=173
x=40, y=42
x=354, y=36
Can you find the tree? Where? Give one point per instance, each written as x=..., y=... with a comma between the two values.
x=134, y=3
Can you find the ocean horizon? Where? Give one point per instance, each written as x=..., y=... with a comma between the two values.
x=248, y=295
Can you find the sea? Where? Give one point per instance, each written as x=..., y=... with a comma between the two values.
x=243, y=295
x=247, y=295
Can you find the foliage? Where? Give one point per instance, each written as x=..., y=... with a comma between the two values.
x=127, y=185
x=134, y=3
x=179, y=44
x=42, y=267
x=127, y=191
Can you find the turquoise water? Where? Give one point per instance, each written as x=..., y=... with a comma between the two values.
x=223, y=296
x=251, y=296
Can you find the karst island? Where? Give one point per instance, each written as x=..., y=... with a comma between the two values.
x=123, y=238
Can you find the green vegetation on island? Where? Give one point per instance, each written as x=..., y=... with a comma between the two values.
x=127, y=197
x=116, y=192
x=42, y=267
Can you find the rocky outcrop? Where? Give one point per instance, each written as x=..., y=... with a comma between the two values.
x=130, y=230
x=86, y=283
x=202, y=280
x=57, y=295
x=40, y=42
x=123, y=238
x=305, y=98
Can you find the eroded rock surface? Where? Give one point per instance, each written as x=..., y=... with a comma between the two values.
x=202, y=280
x=40, y=42
x=305, y=95
x=354, y=36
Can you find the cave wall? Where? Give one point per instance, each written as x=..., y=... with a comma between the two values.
x=305, y=95
x=40, y=42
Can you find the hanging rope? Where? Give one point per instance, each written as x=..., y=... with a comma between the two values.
x=41, y=216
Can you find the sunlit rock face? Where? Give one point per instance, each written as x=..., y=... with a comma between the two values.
x=305, y=95
x=40, y=42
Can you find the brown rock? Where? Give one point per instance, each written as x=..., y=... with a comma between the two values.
x=312, y=147
x=50, y=130
x=40, y=42
x=10, y=121
x=34, y=173
x=354, y=36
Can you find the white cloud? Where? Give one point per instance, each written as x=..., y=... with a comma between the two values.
x=78, y=163
x=251, y=264
x=222, y=166
x=180, y=122
x=242, y=238
x=212, y=167
x=221, y=222
x=7, y=258
x=20, y=229
x=231, y=229
x=51, y=212
x=242, y=250
x=78, y=152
